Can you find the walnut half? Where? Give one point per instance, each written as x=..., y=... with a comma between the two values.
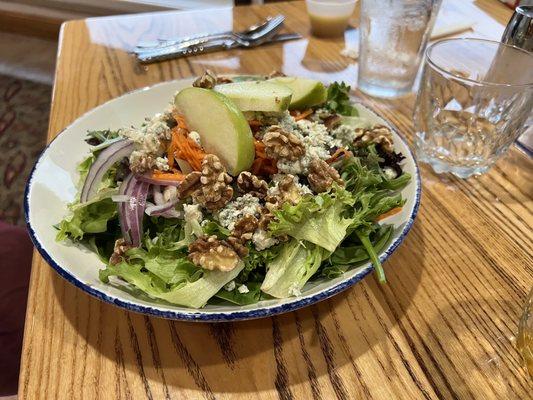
x=287, y=192
x=378, y=134
x=207, y=80
x=120, y=249
x=212, y=253
x=189, y=185
x=282, y=145
x=242, y=233
x=322, y=175
x=249, y=183
x=215, y=190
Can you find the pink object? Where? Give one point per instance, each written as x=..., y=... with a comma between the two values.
x=15, y=266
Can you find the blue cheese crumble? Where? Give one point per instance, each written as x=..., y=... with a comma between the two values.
x=277, y=178
x=195, y=136
x=316, y=140
x=238, y=208
x=262, y=240
x=243, y=289
x=344, y=134
x=229, y=286
x=148, y=139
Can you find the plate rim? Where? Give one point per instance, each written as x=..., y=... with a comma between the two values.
x=196, y=315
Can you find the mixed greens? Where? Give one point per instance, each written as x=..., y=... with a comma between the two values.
x=238, y=192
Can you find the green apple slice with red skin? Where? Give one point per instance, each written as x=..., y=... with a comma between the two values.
x=305, y=92
x=222, y=127
x=257, y=95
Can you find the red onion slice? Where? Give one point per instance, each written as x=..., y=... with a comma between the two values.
x=131, y=212
x=157, y=195
x=135, y=211
x=161, y=209
x=125, y=190
x=105, y=160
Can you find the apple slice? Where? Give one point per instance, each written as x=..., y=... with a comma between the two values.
x=257, y=95
x=221, y=125
x=305, y=92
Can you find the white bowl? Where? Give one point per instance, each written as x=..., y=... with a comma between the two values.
x=52, y=185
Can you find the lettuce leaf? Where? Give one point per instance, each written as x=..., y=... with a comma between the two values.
x=188, y=292
x=317, y=219
x=92, y=217
x=291, y=269
x=162, y=271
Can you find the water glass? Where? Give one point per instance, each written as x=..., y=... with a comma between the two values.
x=392, y=37
x=474, y=101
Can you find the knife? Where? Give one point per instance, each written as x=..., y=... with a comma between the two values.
x=170, y=52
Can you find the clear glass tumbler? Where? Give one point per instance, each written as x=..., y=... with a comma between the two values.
x=474, y=101
x=392, y=37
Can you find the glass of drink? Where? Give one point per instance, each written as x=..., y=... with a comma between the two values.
x=474, y=100
x=392, y=37
x=329, y=18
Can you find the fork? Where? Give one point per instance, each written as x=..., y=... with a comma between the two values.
x=218, y=42
x=252, y=33
x=171, y=42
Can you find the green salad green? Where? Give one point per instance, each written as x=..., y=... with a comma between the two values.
x=157, y=204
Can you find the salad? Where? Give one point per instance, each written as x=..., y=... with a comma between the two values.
x=243, y=189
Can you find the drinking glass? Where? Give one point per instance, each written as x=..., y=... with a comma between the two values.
x=392, y=37
x=474, y=101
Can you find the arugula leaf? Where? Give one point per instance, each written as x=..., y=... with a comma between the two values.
x=338, y=100
x=318, y=219
x=97, y=137
x=352, y=252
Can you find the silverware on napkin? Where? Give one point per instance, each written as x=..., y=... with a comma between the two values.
x=143, y=46
x=263, y=33
x=207, y=48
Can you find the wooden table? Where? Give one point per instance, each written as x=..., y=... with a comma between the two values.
x=441, y=328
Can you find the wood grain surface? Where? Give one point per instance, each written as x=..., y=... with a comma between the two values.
x=442, y=327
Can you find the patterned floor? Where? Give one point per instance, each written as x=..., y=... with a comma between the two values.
x=24, y=108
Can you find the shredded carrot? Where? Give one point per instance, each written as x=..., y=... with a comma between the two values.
x=262, y=165
x=181, y=146
x=259, y=148
x=187, y=149
x=303, y=114
x=180, y=119
x=256, y=166
x=338, y=154
x=389, y=213
x=168, y=176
